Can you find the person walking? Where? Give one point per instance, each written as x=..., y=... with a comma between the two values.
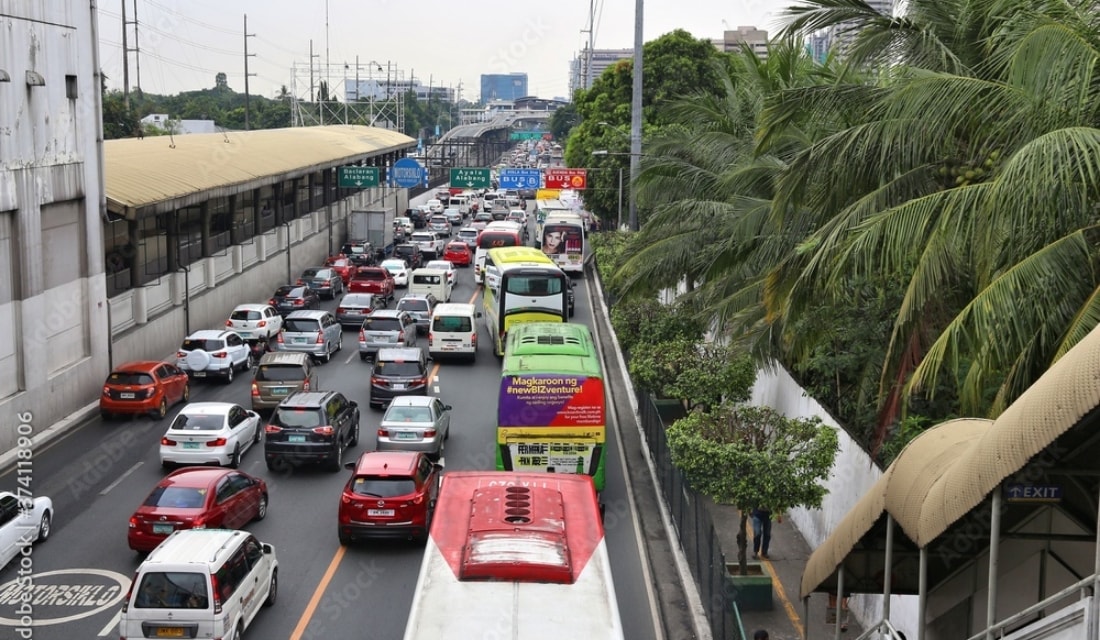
x=761, y=532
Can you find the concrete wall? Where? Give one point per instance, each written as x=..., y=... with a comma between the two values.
x=53, y=305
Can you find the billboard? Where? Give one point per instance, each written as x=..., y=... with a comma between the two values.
x=551, y=400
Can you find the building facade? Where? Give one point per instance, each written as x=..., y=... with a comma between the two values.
x=383, y=89
x=599, y=61
x=503, y=86
x=54, y=349
x=734, y=40
x=840, y=37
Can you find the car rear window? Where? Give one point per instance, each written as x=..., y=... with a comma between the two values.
x=205, y=345
x=184, y=422
x=280, y=373
x=288, y=292
x=296, y=418
x=130, y=377
x=415, y=304
x=393, y=368
x=301, y=325
x=356, y=300
x=310, y=273
x=452, y=324
x=387, y=487
x=382, y=324
x=172, y=590
x=408, y=414
x=176, y=497
x=370, y=275
x=245, y=315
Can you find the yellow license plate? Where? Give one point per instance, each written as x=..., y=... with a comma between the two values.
x=171, y=632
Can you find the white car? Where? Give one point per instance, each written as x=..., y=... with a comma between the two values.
x=435, y=206
x=398, y=269
x=429, y=242
x=210, y=432
x=22, y=522
x=254, y=321
x=214, y=353
x=445, y=266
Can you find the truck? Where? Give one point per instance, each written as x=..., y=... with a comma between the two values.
x=373, y=226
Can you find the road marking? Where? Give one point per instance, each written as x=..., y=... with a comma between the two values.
x=120, y=479
x=110, y=625
x=350, y=358
x=303, y=622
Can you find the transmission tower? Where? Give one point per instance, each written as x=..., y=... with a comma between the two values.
x=126, y=51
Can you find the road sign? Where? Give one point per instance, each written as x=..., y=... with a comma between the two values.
x=407, y=173
x=520, y=178
x=566, y=178
x=1026, y=492
x=356, y=177
x=470, y=177
x=527, y=135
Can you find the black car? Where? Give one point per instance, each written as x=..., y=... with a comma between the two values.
x=311, y=426
x=398, y=372
x=411, y=254
x=417, y=217
x=289, y=298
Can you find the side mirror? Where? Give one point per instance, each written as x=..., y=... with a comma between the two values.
x=353, y=404
x=268, y=549
x=447, y=407
x=478, y=314
x=349, y=465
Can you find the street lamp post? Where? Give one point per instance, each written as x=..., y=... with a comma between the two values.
x=605, y=152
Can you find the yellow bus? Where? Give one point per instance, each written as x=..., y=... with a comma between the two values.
x=522, y=284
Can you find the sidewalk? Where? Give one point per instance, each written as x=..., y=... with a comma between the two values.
x=788, y=555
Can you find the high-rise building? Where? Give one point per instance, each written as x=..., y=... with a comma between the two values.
x=732, y=41
x=840, y=37
x=600, y=60
x=503, y=86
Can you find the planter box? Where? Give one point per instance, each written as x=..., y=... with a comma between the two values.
x=752, y=592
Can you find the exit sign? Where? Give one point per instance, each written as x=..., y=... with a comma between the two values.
x=357, y=177
x=1026, y=492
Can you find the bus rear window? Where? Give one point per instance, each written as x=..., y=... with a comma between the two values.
x=533, y=286
x=491, y=240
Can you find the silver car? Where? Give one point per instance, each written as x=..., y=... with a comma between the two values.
x=354, y=308
x=420, y=307
x=384, y=329
x=314, y=332
x=415, y=423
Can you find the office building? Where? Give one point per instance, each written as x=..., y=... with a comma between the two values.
x=382, y=89
x=841, y=37
x=733, y=41
x=503, y=86
x=600, y=60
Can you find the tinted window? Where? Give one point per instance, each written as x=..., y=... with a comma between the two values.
x=382, y=487
x=288, y=292
x=176, y=498
x=296, y=418
x=245, y=315
x=382, y=324
x=423, y=279
x=408, y=414
x=280, y=373
x=205, y=345
x=371, y=275
x=356, y=300
x=301, y=325
x=452, y=324
x=184, y=422
x=130, y=377
x=413, y=304
x=534, y=286
x=399, y=369
x=309, y=273
x=176, y=590
x=494, y=239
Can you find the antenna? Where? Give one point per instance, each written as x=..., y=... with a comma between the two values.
x=726, y=25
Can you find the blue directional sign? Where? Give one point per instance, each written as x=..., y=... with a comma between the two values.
x=520, y=178
x=1027, y=492
x=407, y=173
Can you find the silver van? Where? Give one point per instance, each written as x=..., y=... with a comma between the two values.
x=314, y=332
x=386, y=328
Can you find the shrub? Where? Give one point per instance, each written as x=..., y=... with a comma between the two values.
x=701, y=376
x=647, y=320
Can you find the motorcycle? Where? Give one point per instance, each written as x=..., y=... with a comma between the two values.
x=259, y=346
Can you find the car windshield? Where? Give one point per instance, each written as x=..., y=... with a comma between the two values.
x=296, y=418
x=384, y=487
x=394, y=368
x=240, y=314
x=176, y=497
x=172, y=590
x=129, y=377
x=184, y=422
x=408, y=414
x=381, y=324
x=206, y=345
x=280, y=373
x=413, y=304
x=301, y=325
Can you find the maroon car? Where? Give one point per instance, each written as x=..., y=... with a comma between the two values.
x=374, y=280
x=197, y=497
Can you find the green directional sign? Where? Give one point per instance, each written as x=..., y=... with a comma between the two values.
x=470, y=177
x=356, y=177
x=526, y=135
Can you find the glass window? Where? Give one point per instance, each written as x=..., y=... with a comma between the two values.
x=172, y=590
x=296, y=418
x=408, y=414
x=245, y=315
x=176, y=497
x=130, y=377
x=382, y=324
x=452, y=324
x=301, y=325
x=385, y=487
x=205, y=345
x=401, y=369
x=184, y=422
x=280, y=373
x=534, y=285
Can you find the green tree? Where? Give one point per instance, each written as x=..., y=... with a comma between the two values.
x=754, y=457
x=700, y=375
x=117, y=121
x=562, y=121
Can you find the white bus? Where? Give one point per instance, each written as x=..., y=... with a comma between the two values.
x=543, y=208
x=564, y=238
x=515, y=555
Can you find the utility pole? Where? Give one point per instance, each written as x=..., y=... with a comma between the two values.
x=357, y=78
x=126, y=51
x=591, y=42
x=247, y=55
x=636, y=111
x=312, y=85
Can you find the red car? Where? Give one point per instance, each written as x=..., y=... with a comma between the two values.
x=343, y=265
x=197, y=497
x=391, y=494
x=458, y=254
x=143, y=387
x=374, y=280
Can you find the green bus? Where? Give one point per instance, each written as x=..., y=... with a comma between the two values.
x=551, y=413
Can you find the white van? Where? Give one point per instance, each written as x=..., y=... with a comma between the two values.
x=453, y=331
x=200, y=583
x=433, y=281
x=462, y=203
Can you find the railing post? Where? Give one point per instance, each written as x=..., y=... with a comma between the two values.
x=994, y=545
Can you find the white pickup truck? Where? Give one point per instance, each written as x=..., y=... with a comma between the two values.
x=429, y=243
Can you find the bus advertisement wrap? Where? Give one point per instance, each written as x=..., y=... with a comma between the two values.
x=563, y=450
x=551, y=400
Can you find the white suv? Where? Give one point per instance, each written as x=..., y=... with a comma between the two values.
x=214, y=353
x=200, y=583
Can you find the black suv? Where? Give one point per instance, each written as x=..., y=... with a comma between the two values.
x=417, y=217
x=398, y=372
x=311, y=426
x=410, y=253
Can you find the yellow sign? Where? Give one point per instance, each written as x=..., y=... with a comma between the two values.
x=547, y=194
x=578, y=435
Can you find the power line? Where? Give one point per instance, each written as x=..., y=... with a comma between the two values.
x=188, y=18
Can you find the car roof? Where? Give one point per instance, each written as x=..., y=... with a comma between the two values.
x=306, y=399
x=311, y=314
x=207, y=408
x=251, y=306
x=142, y=366
x=387, y=462
x=412, y=401
x=394, y=261
x=400, y=353
x=207, y=334
x=386, y=313
x=418, y=295
x=194, y=547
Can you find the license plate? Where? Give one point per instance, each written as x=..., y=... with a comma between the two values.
x=398, y=387
x=406, y=435
x=190, y=445
x=293, y=438
x=449, y=347
x=299, y=341
x=279, y=391
x=163, y=529
x=171, y=632
x=126, y=396
x=199, y=374
x=380, y=512
x=245, y=334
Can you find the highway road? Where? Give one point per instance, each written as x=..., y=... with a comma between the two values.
x=99, y=473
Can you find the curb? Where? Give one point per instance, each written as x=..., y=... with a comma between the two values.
x=699, y=622
x=51, y=433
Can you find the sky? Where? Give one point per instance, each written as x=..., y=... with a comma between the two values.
x=445, y=42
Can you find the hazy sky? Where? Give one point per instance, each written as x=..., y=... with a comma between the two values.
x=184, y=44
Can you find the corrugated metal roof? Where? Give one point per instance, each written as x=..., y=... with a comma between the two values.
x=949, y=470
x=165, y=172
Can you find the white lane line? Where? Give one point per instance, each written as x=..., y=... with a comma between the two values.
x=111, y=624
x=351, y=357
x=120, y=479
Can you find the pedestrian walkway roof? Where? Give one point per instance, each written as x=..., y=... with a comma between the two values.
x=936, y=491
x=163, y=173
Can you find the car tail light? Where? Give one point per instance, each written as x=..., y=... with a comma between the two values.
x=305, y=385
x=473, y=339
x=299, y=302
x=168, y=443
x=217, y=594
x=379, y=382
x=129, y=592
x=181, y=354
x=198, y=523
x=255, y=389
x=220, y=354
x=279, y=338
x=320, y=337
x=272, y=429
x=362, y=336
x=324, y=431
x=229, y=323
x=217, y=442
x=261, y=323
x=431, y=337
x=339, y=310
x=271, y=302
x=106, y=391
x=300, y=282
x=417, y=499
x=133, y=522
x=429, y=433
